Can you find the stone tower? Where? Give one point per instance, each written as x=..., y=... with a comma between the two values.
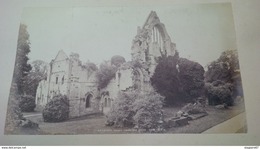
x=151, y=42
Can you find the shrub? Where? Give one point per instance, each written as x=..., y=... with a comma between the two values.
x=221, y=94
x=27, y=103
x=57, y=109
x=105, y=73
x=142, y=110
x=165, y=80
x=194, y=108
x=148, y=112
x=121, y=112
x=191, y=75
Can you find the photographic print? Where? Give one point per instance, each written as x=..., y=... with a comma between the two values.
x=126, y=70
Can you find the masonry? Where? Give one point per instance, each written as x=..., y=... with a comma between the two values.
x=68, y=76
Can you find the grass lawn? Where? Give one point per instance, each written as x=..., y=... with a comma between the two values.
x=95, y=124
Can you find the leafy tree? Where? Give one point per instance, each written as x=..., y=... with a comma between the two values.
x=90, y=66
x=191, y=75
x=21, y=62
x=105, y=73
x=21, y=69
x=27, y=103
x=226, y=69
x=38, y=73
x=117, y=60
x=165, y=79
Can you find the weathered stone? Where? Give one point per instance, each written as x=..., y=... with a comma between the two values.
x=196, y=116
x=223, y=106
x=28, y=124
x=177, y=121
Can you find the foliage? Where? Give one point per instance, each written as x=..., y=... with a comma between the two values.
x=90, y=66
x=38, y=73
x=226, y=68
x=191, y=75
x=221, y=93
x=105, y=73
x=121, y=112
x=142, y=110
x=223, y=68
x=23, y=49
x=148, y=111
x=57, y=109
x=194, y=108
x=27, y=103
x=14, y=114
x=166, y=81
x=117, y=60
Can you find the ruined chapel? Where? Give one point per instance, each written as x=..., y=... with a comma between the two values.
x=67, y=76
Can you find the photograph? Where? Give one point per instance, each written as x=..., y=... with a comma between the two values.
x=126, y=70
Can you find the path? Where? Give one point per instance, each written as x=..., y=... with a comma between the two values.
x=232, y=125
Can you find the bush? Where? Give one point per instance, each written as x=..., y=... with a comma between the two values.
x=140, y=110
x=121, y=113
x=220, y=94
x=194, y=108
x=27, y=103
x=57, y=109
x=148, y=112
x=191, y=75
x=165, y=80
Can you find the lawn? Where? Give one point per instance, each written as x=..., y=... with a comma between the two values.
x=95, y=124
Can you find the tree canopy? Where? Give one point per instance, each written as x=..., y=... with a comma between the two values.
x=38, y=73
x=21, y=63
x=105, y=73
x=117, y=60
x=165, y=79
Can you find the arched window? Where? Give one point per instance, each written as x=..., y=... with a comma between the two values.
x=137, y=80
x=57, y=78
x=62, y=81
x=88, y=100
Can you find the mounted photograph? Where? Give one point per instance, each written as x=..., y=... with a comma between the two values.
x=126, y=70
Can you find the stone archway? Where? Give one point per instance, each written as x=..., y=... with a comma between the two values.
x=88, y=100
x=137, y=80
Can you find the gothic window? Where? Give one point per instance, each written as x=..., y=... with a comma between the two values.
x=88, y=100
x=62, y=80
x=57, y=78
x=105, y=102
x=157, y=38
x=137, y=80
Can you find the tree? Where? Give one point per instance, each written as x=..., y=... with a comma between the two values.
x=226, y=69
x=191, y=75
x=105, y=73
x=117, y=60
x=14, y=115
x=37, y=74
x=165, y=79
x=21, y=62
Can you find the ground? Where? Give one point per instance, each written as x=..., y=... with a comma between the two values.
x=95, y=124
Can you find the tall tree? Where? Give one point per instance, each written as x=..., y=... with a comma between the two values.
x=38, y=73
x=21, y=62
x=165, y=79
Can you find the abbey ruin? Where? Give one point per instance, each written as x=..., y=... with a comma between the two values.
x=68, y=76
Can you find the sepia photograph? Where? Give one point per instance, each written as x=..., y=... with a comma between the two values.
x=126, y=70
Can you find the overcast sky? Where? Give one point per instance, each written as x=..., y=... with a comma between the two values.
x=201, y=32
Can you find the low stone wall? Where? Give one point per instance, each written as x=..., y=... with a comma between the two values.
x=77, y=107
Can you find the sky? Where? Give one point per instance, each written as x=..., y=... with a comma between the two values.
x=201, y=31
